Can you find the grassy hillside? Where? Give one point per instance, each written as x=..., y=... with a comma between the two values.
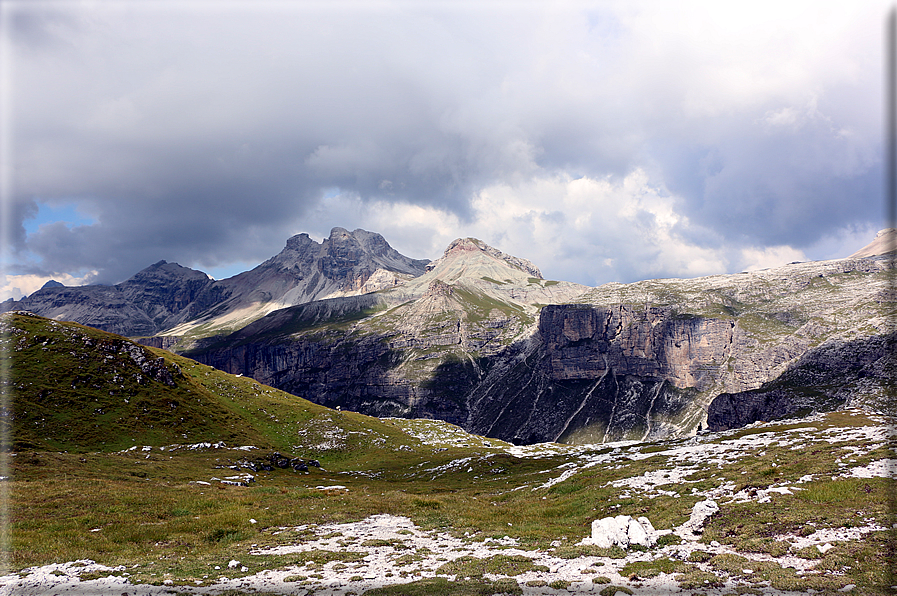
x=805, y=505
x=77, y=389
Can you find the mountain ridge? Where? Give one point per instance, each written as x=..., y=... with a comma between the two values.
x=480, y=339
x=167, y=296
x=621, y=361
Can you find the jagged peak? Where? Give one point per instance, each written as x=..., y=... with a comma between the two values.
x=298, y=241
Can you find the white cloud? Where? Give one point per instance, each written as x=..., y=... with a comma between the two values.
x=579, y=229
x=632, y=138
x=594, y=230
x=770, y=256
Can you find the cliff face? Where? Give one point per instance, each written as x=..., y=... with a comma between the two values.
x=586, y=373
x=468, y=349
x=837, y=373
x=584, y=342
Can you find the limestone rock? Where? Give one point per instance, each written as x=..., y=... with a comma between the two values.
x=700, y=513
x=622, y=531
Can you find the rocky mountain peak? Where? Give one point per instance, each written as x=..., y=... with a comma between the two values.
x=465, y=244
x=298, y=241
x=463, y=248
x=164, y=271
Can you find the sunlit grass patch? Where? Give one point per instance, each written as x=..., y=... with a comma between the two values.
x=649, y=569
x=440, y=586
x=695, y=578
x=472, y=567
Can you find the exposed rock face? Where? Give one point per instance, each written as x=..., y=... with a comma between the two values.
x=584, y=342
x=168, y=299
x=853, y=373
x=154, y=299
x=467, y=346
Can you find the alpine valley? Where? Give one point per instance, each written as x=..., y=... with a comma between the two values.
x=480, y=339
x=127, y=469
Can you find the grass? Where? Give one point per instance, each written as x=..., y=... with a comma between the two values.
x=442, y=587
x=472, y=567
x=78, y=498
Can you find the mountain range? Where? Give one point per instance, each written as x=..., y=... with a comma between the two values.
x=480, y=339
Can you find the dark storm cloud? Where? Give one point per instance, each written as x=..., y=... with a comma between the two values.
x=208, y=133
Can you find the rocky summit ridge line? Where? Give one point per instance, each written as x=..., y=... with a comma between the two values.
x=166, y=297
x=479, y=338
x=484, y=342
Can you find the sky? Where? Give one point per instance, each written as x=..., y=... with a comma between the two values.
x=604, y=141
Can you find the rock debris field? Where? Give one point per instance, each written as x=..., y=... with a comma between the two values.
x=391, y=549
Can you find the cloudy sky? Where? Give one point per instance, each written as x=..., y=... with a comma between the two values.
x=604, y=141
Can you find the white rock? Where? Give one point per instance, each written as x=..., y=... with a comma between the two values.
x=233, y=564
x=700, y=513
x=622, y=531
x=637, y=534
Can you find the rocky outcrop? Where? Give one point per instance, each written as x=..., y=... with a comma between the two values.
x=700, y=514
x=622, y=531
x=171, y=300
x=835, y=374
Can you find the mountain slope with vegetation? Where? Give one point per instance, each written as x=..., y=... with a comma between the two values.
x=212, y=505
x=478, y=337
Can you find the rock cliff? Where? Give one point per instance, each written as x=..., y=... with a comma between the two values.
x=481, y=341
x=857, y=373
x=479, y=338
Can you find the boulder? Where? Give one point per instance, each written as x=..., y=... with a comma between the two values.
x=700, y=513
x=622, y=531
